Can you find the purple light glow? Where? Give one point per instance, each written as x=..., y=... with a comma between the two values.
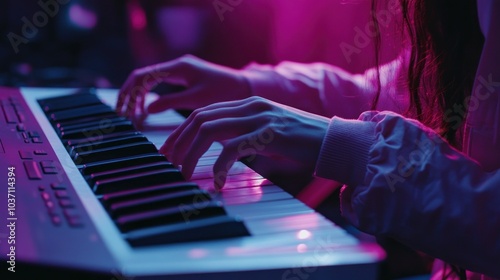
x=82, y=17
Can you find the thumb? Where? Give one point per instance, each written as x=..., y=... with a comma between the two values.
x=179, y=100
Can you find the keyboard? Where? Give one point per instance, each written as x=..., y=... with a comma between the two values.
x=91, y=193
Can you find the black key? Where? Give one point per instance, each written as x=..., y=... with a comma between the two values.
x=81, y=112
x=102, y=122
x=110, y=198
x=135, y=181
x=98, y=138
x=184, y=213
x=85, y=120
x=125, y=126
x=99, y=176
x=197, y=230
x=107, y=165
x=50, y=105
x=159, y=201
x=129, y=139
x=121, y=151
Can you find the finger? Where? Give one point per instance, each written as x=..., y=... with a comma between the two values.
x=180, y=100
x=210, y=112
x=230, y=154
x=216, y=126
x=188, y=151
x=178, y=71
x=209, y=133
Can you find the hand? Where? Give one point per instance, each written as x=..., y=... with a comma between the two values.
x=248, y=128
x=205, y=83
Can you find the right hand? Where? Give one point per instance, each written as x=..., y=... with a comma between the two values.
x=205, y=83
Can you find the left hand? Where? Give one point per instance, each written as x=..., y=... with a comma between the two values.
x=247, y=128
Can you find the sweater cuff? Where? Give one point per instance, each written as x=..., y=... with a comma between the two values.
x=344, y=153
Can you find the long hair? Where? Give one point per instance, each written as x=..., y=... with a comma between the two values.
x=446, y=44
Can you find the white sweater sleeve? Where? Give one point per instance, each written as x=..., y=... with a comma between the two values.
x=328, y=90
x=404, y=181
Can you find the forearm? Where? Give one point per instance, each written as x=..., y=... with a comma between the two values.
x=328, y=90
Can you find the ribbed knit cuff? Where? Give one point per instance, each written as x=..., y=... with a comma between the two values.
x=344, y=154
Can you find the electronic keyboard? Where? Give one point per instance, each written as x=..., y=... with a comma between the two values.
x=85, y=191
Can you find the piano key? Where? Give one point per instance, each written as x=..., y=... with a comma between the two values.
x=121, y=151
x=183, y=213
x=310, y=221
x=129, y=139
x=199, y=230
x=254, y=198
x=138, y=205
x=140, y=180
x=125, y=126
x=81, y=112
x=98, y=138
x=107, y=199
x=100, y=121
x=94, y=177
x=107, y=165
x=84, y=120
x=68, y=102
x=268, y=209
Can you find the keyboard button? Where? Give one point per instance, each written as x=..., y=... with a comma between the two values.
x=57, y=187
x=50, y=170
x=26, y=154
x=47, y=163
x=56, y=220
x=33, y=170
x=199, y=230
x=9, y=113
x=66, y=203
x=33, y=134
x=61, y=194
x=45, y=196
x=40, y=152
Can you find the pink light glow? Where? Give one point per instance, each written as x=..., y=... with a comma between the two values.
x=302, y=248
x=197, y=253
x=137, y=16
x=82, y=17
x=304, y=234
